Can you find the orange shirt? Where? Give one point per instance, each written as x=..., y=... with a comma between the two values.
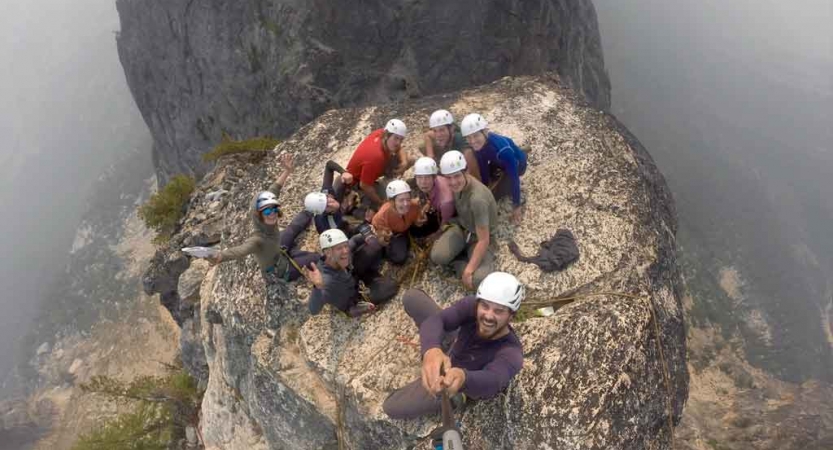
x=388, y=219
x=369, y=160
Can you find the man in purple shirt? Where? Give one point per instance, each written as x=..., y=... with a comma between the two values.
x=484, y=352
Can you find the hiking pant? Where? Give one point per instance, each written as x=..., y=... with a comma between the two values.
x=382, y=289
x=367, y=259
x=364, y=202
x=428, y=228
x=451, y=249
x=287, y=240
x=503, y=188
x=397, y=249
x=412, y=400
x=327, y=185
x=367, y=262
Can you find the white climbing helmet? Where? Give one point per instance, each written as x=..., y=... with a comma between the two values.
x=501, y=288
x=472, y=124
x=452, y=162
x=266, y=199
x=397, y=187
x=315, y=202
x=439, y=118
x=425, y=166
x=397, y=127
x=331, y=238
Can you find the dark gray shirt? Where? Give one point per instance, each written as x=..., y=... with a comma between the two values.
x=341, y=290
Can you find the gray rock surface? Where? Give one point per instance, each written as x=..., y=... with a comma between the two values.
x=256, y=67
x=593, y=377
x=190, y=281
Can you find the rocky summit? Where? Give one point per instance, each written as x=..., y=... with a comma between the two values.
x=254, y=67
x=606, y=371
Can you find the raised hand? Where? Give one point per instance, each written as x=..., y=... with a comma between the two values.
x=287, y=162
x=314, y=276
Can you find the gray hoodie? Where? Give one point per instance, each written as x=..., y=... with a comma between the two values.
x=264, y=243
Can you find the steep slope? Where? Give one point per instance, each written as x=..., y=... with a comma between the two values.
x=597, y=374
x=254, y=67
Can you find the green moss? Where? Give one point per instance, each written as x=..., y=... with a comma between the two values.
x=164, y=209
x=271, y=27
x=231, y=147
x=162, y=408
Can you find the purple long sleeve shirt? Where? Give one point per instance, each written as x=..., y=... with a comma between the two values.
x=442, y=199
x=489, y=364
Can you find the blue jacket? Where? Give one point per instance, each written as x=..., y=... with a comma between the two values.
x=500, y=151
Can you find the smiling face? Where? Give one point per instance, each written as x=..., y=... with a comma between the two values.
x=393, y=142
x=269, y=216
x=492, y=319
x=477, y=140
x=402, y=203
x=442, y=135
x=338, y=256
x=425, y=183
x=456, y=181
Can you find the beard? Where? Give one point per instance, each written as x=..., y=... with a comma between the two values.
x=488, y=329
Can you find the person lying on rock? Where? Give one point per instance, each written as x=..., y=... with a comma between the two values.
x=379, y=154
x=328, y=205
x=501, y=163
x=335, y=280
x=327, y=210
x=484, y=354
x=435, y=198
x=395, y=218
x=465, y=245
x=442, y=136
x=271, y=248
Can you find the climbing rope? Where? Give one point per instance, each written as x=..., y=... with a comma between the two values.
x=666, y=375
x=658, y=343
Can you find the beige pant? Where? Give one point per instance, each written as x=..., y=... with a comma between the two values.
x=452, y=249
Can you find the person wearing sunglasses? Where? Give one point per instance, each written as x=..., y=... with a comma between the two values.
x=272, y=248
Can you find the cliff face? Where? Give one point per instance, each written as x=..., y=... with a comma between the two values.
x=595, y=372
x=255, y=67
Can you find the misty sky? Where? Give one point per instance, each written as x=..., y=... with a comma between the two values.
x=67, y=115
x=734, y=100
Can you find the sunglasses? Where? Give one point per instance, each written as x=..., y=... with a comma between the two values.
x=270, y=210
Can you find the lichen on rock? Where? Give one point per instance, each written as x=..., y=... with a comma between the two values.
x=593, y=378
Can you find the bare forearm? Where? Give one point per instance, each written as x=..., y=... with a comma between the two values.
x=370, y=192
x=477, y=255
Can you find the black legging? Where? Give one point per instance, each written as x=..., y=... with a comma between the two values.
x=287, y=240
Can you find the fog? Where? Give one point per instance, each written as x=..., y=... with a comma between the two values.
x=734, y=100
x=67, y=115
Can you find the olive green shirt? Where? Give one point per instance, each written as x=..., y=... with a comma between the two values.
x=476, y=207
x=458, y=142
x=264, y=242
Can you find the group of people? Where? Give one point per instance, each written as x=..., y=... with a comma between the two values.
x=367, y=212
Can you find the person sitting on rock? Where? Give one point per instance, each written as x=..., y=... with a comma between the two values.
x=274, y=251
x=435, y=198
x=484, y=355
x=379, y=154
x=501, y=163
x=465, y=245
x=442, y=136
x=335, y=279
x=395, y=218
